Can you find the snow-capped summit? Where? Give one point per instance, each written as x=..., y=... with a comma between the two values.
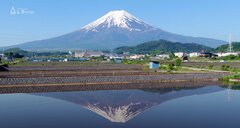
x=117, y=19
x=120, y=114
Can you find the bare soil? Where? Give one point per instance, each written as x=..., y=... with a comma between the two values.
x=106, y=76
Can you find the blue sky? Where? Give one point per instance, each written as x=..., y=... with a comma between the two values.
x=201, y=18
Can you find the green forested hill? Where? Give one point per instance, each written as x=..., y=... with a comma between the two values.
x=162, y=46
x=224, y=48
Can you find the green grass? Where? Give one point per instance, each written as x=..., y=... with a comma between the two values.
x=69, y=63
x=234, y=76
x=135, y=61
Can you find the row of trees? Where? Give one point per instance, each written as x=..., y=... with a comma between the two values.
x=15, y=53
x=19, y=53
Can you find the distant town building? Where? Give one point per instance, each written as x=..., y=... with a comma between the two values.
x=207, y=54
x=194, y=54
x=179, y=54
x=126, y=53
x=70, y=52
x=65, y=60
x=113, y=56
x=163, y=56
x=154, y=65
x=185, y=58
x=136, y=56
x=9, y=58
x=227, y=54
x=88, y=54
x=110, y=55
x=79, y=54
x=49, y=59
x=118, y=60
x=1, y=55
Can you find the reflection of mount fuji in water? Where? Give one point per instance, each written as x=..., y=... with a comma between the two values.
x=122, y=106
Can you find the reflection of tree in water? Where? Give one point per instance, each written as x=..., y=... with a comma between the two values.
x=2, y=68
x=235, y=87
x=166, y=90
x=123, y=105
x=232, y=86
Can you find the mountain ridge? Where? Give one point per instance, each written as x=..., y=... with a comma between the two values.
x=116, y=28
x=162, y=46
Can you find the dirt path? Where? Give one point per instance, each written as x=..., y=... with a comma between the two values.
x=204, y=69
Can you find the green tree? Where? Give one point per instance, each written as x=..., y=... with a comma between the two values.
x=172, y=56
x=155, y=52
x=178, y=62
x=171, y=66
x=8, y=54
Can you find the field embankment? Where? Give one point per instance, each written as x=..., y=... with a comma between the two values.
x=53, y=74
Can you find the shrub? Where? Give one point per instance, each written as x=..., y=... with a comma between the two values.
x=163, y=67
x=5, y=64
x=225, y=67
x=171, y=67
x=178, y=62
x=210, y=66
x=227, y=78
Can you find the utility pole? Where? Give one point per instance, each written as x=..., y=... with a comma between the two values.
x=229, y=92
x=230, y=43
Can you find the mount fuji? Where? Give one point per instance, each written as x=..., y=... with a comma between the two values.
x=116, y=28
x=120, y=106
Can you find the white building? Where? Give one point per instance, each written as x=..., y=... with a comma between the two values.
x=179, y=54
x=113, y=56
x=136, y=56
x=79, y=54
x=227, y=54
x=163, y=56
x=194, y=54
x=65, y=60
x=88, y=54
x=1, y=55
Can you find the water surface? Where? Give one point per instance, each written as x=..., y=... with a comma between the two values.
x=199, y=107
